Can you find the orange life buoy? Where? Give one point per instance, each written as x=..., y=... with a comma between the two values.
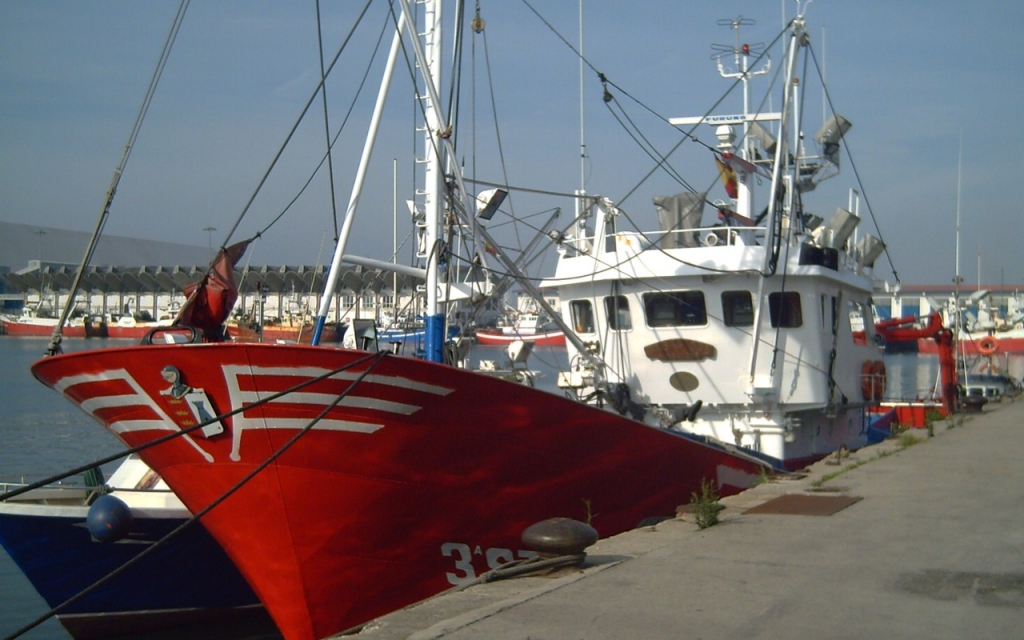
x=878, y=381
x=872, y=380
x=865, y=379
x=988, y=345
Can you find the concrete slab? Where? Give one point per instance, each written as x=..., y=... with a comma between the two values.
x=935, y=549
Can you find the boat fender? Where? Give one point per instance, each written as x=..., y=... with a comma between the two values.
x=988, y=345
x=559, y=536
x=109, y=519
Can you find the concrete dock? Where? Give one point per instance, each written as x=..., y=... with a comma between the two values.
x=933, y=548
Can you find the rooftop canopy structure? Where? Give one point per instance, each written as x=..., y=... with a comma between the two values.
x=171, y=279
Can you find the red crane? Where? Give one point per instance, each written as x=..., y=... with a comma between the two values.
x=903, y=329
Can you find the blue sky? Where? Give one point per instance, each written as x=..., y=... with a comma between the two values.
x=912, y=77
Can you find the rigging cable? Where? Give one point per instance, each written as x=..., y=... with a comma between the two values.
x=455, y=88
x=334, y=140
x=497, y=129
x=55, y=339
x=309, y=103
x=689, y=134
x=633, y=131
x=352, y=104
x=856, y=173
x=327, y=124
x=608, y=97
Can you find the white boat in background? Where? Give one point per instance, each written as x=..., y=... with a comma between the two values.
x=34, y=322
x=747, y=329
x=525, y=326
x=985, y=332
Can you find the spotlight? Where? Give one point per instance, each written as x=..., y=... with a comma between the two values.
x=487, y=202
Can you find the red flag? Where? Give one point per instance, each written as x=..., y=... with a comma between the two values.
x=209, y=301
x=728, y=177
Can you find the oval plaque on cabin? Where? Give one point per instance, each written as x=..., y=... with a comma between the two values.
x=683, y=381
x=680, y=350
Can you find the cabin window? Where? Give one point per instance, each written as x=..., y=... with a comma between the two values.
x=675, y=309
x=784, y=308
x=737, y=309
x=617, y=309
x=582, y=316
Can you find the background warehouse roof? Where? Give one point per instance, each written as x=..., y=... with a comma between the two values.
x=129, y=265
x=21, y=244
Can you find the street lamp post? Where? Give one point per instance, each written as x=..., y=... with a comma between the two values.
x=40, y=233
x=209, y=238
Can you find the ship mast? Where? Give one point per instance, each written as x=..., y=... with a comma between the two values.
x=429, y=59
x=761, y=385
x=357, y=187
x=741, y=53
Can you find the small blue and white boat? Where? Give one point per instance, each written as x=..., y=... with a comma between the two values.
x=187, y=585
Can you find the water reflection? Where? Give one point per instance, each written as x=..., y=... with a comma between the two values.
x=911, y=376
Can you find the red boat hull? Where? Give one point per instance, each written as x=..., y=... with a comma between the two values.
x=547, y=338
x=423, y=476
x=29, y=329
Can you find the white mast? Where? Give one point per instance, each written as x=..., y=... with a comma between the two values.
x=436, y=144
x=432, y=196
x=357, y=187
x=781, y=155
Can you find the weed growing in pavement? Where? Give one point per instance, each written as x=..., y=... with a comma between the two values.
x=956, y=420
x=907, y=439
x=764, y=477
x=705, y=505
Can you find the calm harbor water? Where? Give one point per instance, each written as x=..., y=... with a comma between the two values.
x=43, y=434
